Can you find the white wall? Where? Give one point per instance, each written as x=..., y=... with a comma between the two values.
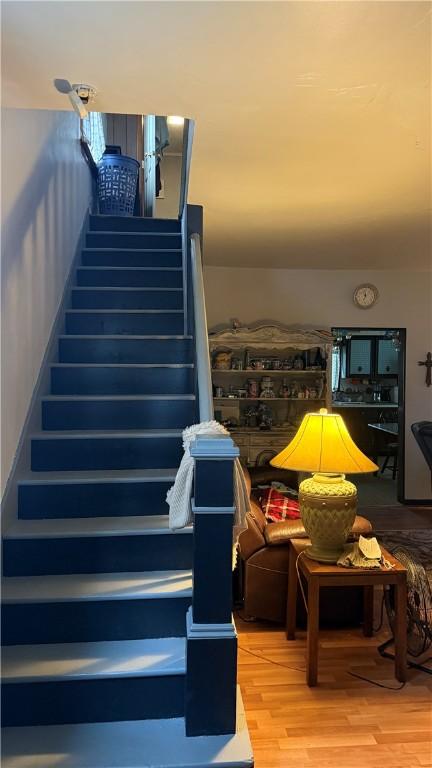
x=46, y=191
x=322, y=299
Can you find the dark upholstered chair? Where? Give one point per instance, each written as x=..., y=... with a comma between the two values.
x=422, y=431
x=263, y=550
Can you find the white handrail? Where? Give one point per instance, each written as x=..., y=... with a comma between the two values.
x=188, y=134
x=205, y=393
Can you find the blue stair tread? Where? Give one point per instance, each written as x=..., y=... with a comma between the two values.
x=106, y=433
x=139, y=219
x=128, y=744
x=132, y=250
x=144, y=233
x=122, y=268
x=100, y=475
x=98, y=311
x=92, y=526
x=147, y=585
x=159, y=336
x=122, y=365
x=123, y=288
x=94, y=660
x=117, y=398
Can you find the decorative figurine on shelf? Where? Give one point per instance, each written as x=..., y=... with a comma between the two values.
x=267, y=391
x=294, y=390
x=319, y=361
x=250, y=417
x=264, y=416
x=319, y=384
x=252, y=388
x=222, y=360
x=284, y=390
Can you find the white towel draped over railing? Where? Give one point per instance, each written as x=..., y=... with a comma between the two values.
x=179, y=495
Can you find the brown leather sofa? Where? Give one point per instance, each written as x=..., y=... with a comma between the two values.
x=263, y=551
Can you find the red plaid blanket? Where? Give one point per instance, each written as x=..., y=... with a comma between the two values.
x=276, y=506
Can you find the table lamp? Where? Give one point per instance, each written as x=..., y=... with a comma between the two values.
x=328, y=502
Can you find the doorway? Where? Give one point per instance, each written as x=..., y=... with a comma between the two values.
x=368, y=391
x=152, y=146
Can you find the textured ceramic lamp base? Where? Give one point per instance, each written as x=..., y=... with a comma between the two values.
x=328, y=505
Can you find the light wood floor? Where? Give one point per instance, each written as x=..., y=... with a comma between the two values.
x=343, y=722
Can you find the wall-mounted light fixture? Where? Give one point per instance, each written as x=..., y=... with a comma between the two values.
x=175, y=120
x=80, y=94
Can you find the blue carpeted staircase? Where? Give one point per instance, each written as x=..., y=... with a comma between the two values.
x=92, y=571
x=95, y=585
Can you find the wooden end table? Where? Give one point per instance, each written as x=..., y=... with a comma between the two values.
x=319, y=575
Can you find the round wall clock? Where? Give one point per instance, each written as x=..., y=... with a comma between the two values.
x=365, y=296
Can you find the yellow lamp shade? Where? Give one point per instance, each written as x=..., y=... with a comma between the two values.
x=323, y=444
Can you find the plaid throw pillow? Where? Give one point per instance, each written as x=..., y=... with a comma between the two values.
x=276, y=506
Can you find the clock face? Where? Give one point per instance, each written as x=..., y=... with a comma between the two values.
x=365, y=296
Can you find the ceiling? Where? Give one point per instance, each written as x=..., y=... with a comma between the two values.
x=312, y=144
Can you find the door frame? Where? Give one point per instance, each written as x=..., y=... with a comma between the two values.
x=401, y=374
x=149, y=195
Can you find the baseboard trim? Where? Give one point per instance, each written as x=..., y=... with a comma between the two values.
x=417, y=502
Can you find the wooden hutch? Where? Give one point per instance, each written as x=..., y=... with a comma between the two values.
x=265, y=377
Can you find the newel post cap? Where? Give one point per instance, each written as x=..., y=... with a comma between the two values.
x=214, y=447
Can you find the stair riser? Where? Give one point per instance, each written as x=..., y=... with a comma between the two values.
x=87, y=701
x=89, y=453
x=132, y=224
x=130, y=278
x=125, y=350
x=106, y=323
x=97, y=554
x=110, y=499
x=93, y=620
x=128, y=240
x=125, y=258
x=112, y=414
x=128, y=299
x=121, y=381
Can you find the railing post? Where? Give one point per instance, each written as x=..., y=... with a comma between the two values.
x=211, y=674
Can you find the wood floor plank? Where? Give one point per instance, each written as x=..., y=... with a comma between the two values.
x=402, y=738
